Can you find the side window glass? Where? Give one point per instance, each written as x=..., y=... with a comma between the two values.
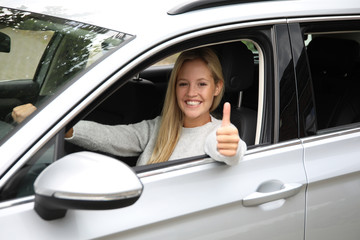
x=168, y=60
x=334, y=63
x=39, y=54
x=21, y=183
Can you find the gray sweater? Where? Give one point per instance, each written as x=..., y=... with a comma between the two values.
x=139, y=140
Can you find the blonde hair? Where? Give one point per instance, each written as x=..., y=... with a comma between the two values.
x=172, y=116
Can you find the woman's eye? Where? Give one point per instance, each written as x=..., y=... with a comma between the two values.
x=182, y=84
x=203, y=84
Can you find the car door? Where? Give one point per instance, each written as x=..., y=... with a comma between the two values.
x=331, y=137
x=261, y=197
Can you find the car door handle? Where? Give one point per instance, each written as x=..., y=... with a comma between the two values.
x=260, y=196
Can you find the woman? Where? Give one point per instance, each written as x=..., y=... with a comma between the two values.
x=185, y=127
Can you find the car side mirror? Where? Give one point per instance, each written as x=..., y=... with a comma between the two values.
x=5, y=43
x=85, y=180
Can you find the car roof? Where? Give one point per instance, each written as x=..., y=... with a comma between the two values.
x=143, y=16
x=151, y=23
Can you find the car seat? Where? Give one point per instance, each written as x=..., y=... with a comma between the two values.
x=238, y=69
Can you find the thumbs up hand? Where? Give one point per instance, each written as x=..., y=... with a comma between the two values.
x=227, y=135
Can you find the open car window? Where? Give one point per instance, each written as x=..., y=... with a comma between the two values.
x=39, y=54
x=142, y=98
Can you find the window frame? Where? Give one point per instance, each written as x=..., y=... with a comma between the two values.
x=326, y=25
x=261, y=37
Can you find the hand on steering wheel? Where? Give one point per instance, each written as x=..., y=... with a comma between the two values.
x=20, y=113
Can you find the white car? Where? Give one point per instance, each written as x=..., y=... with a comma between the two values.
x=292, y=73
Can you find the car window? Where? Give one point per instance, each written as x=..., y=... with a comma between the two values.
x=142, y=98
x=39, y=54
x=335, y=71
x=21, y=183
x=170, y=60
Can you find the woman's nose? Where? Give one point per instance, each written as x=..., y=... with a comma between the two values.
x=192, y=91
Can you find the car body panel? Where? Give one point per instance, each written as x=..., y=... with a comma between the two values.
x=198, y=205
x=332, y=164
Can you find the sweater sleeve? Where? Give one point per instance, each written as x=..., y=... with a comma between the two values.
x=211, y=150
x=122, y=140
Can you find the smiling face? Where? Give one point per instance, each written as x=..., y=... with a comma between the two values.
x=195, y=91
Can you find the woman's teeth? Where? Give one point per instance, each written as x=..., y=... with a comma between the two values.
x=192, y=103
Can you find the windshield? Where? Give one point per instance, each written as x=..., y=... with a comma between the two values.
x=39, y=54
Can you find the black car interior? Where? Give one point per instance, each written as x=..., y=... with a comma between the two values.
x=335, y=69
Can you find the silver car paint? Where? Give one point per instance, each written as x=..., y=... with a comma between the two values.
x=196, y=206
x=332, y=167
x=284, y=163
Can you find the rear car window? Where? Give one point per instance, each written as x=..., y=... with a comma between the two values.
x=334, y=59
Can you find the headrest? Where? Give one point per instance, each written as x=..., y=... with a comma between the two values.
x=237, y=63
x=332, y=54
